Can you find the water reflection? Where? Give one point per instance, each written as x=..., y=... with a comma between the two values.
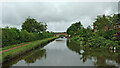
x=38, y=54
x=74, y=46
x=100, y=57
x=30, y=57
x=67, y=53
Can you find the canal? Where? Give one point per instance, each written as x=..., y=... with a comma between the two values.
x=66, y=53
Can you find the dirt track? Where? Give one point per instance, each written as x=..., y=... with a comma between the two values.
x=13, y=48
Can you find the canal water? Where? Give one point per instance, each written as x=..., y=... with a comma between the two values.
x=66, y=53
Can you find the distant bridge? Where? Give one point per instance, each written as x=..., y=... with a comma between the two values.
x=58, y=34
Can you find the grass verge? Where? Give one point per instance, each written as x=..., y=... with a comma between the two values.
x=18, y=51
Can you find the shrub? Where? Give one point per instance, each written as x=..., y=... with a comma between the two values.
x=100, y=42
x=107, y=34
x=14, y=36
x=9, y=37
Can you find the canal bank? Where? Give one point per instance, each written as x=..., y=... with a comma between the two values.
x=66, y=53
x=11, y=54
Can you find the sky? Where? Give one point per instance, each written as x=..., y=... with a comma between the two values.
x=57, y=15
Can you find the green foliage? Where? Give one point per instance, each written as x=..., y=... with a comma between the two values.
x=15, y=52
x=7, y=57
x=104, y=37
x=101, y=54
x=107, y=34
x=31, y=31
x=73, y=29
x=31, y=25
x=47, y=35
x=105, y=21
x=12, y=36
x=99, y=41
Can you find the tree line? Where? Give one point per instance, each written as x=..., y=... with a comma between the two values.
x=31, y=30
x=102, y=35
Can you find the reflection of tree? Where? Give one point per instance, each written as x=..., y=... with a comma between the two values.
x=101, y=61
x=101, y=55
x=27, y=56
x=73, y=46
x=83, y=58
x=38, y=54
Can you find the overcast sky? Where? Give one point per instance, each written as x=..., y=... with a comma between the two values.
x=57, y=15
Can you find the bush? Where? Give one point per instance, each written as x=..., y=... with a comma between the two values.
x=12, y=36
x=97, y=39
x=24, y=36
x=9, y=37
x=107, y=34
x=100, y=42
x=47, y=35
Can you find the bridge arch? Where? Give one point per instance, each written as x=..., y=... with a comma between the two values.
x=58, y=34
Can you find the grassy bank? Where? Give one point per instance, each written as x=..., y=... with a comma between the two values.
x=18, y=51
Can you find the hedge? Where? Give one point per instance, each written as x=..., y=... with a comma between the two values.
x=12, y=36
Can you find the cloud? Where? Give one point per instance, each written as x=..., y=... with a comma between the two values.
x=58, y=15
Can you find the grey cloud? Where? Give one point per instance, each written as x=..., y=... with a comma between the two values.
x=58, y=15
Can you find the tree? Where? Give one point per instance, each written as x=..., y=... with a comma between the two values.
x=105, y=21
x=72, y=30
x=31, y=25
x=89, y=28
x=102, y=22
x=113, y=20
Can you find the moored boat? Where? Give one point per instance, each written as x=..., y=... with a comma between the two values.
x=60, y=39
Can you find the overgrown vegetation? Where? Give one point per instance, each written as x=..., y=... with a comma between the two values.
x=31, y=31
x=100, y=55
x=26, y=38
x=101, y=36
x=32, y=25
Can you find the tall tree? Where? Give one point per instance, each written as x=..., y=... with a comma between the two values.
x=73, y=29
x=31, y=25
x=106, y=21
